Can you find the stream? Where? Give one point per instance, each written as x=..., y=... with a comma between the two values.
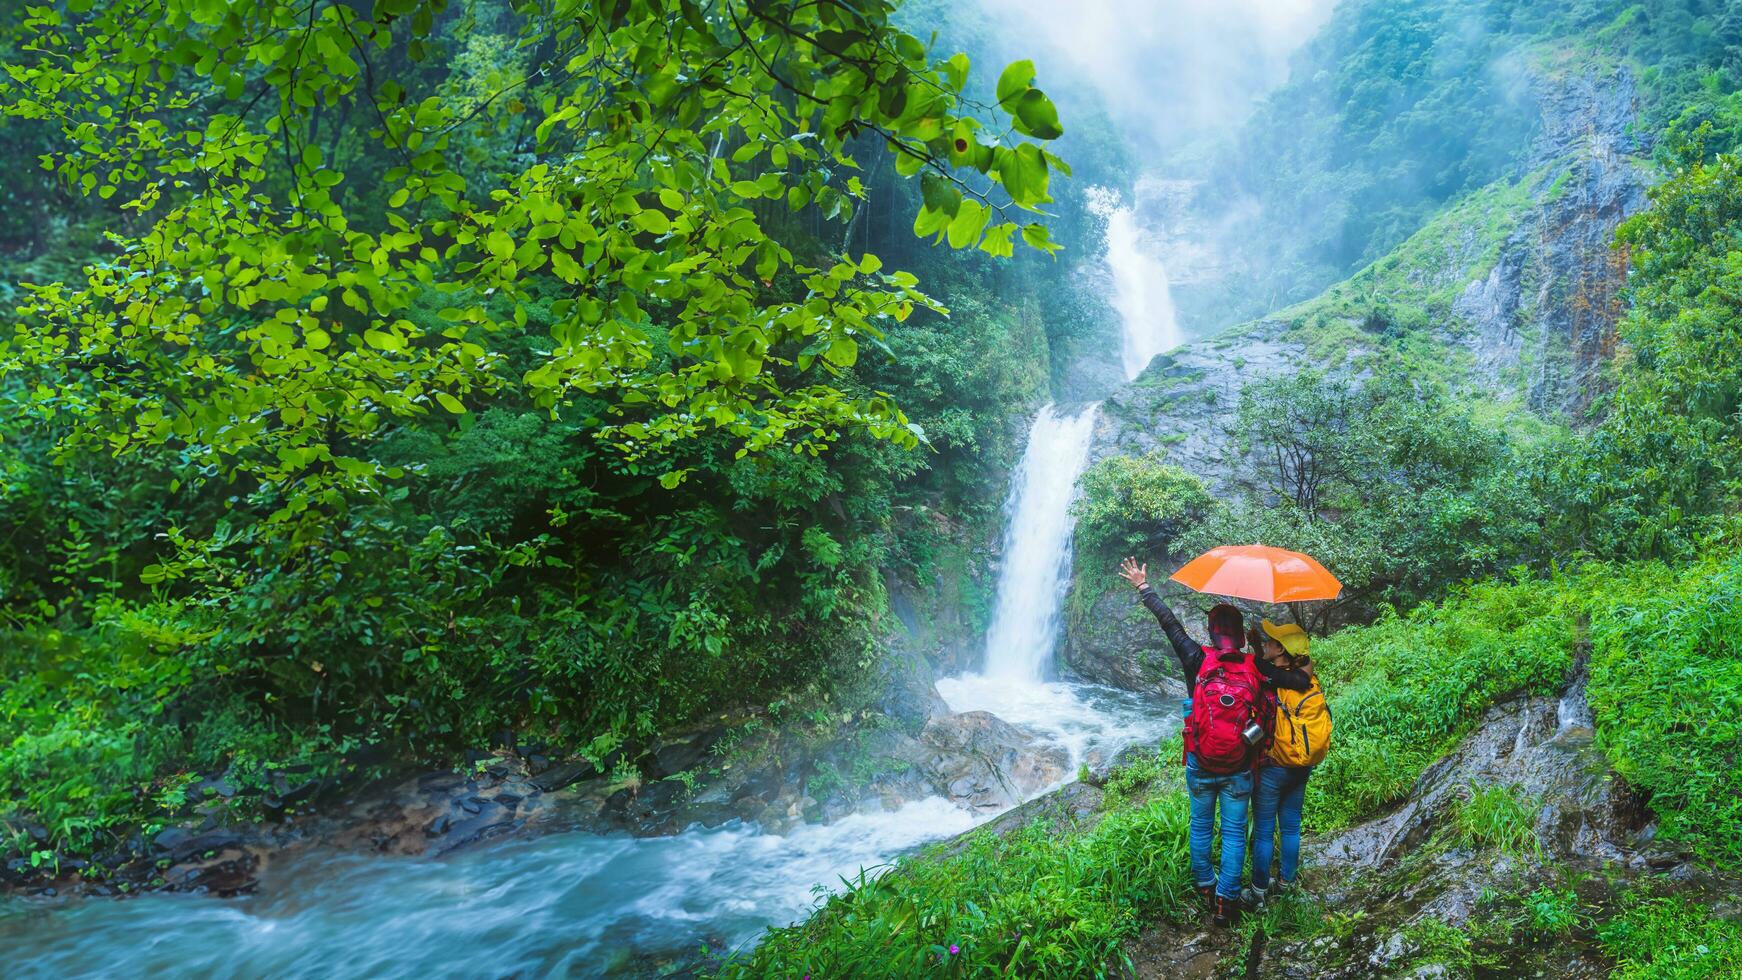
x=581, y=904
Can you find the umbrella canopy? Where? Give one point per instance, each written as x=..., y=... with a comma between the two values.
x=1259, y=573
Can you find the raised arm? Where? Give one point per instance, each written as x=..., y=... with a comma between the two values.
x=1293, y=680
x=1191, y=656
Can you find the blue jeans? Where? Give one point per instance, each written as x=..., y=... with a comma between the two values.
x=1280, y=792
x=1233, y=794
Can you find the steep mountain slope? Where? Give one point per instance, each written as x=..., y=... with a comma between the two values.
x=1509, y=296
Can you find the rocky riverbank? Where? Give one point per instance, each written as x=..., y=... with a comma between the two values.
x=751, y=770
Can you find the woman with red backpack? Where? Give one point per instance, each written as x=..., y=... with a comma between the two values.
x=1227, y=732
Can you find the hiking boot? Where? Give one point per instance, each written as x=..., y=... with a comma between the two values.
x=1251, y=897
x=1207, y=895
x=1227, y=912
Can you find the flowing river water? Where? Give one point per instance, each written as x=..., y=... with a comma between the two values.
x=580, y=904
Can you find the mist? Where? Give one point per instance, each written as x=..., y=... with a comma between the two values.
x=1166, y=71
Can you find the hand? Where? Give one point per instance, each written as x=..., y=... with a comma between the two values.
x=1137, y=575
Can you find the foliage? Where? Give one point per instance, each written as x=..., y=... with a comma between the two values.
x=1555, y=911
x=1034, y=902
x=1667, y=938
x=274, y=310
x=1403, y=691
x=1392, y=482
x=1135, y=505
x=1666, y=679
x=1664, y=463
x=1406, y=688
x=460, y=375
x=1397, y=109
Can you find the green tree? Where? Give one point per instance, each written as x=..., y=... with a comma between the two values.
x=280, y=297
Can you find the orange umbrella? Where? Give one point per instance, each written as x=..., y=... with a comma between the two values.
x=1259, y=573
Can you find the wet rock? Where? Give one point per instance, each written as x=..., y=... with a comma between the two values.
x=470, y=828
x=931, y=635
x=179, y=843
x=673, y=757
x=441, y=782
x=1394, y=948
x=225, y=870
x=984, y=763
x=563, y=774
x=211, y=786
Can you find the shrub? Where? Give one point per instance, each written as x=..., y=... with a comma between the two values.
x=1666, y=692
x=1135, y=505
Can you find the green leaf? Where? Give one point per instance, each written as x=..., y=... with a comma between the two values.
x=956, y=69
x=450, y=403
x=930, y=221
x=998, y=241
x=939, y=194
x=1015, y=80
x=1037, y=237
x=1023, y=174
x=843, y=352
x=383, y=340
x=565, y=266
x=970, y=220
x=1036, y=116
x=653, y=221
x=499, y=244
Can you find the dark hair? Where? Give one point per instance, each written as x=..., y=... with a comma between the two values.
x=1225, y=620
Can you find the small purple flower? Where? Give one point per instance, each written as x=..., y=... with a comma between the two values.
x=954, y=949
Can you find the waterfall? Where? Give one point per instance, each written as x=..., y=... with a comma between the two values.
x=1141, y=294
x=1037, y=545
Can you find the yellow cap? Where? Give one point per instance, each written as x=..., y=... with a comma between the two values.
x=1292, y=637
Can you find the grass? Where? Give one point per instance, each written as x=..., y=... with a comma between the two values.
x=1500, y=818
x=1405, y=689
x=1554, y=912
x=1667, y=938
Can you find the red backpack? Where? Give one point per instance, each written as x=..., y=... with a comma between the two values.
x=1228, y=697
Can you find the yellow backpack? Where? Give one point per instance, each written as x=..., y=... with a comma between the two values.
x=1303, y=727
